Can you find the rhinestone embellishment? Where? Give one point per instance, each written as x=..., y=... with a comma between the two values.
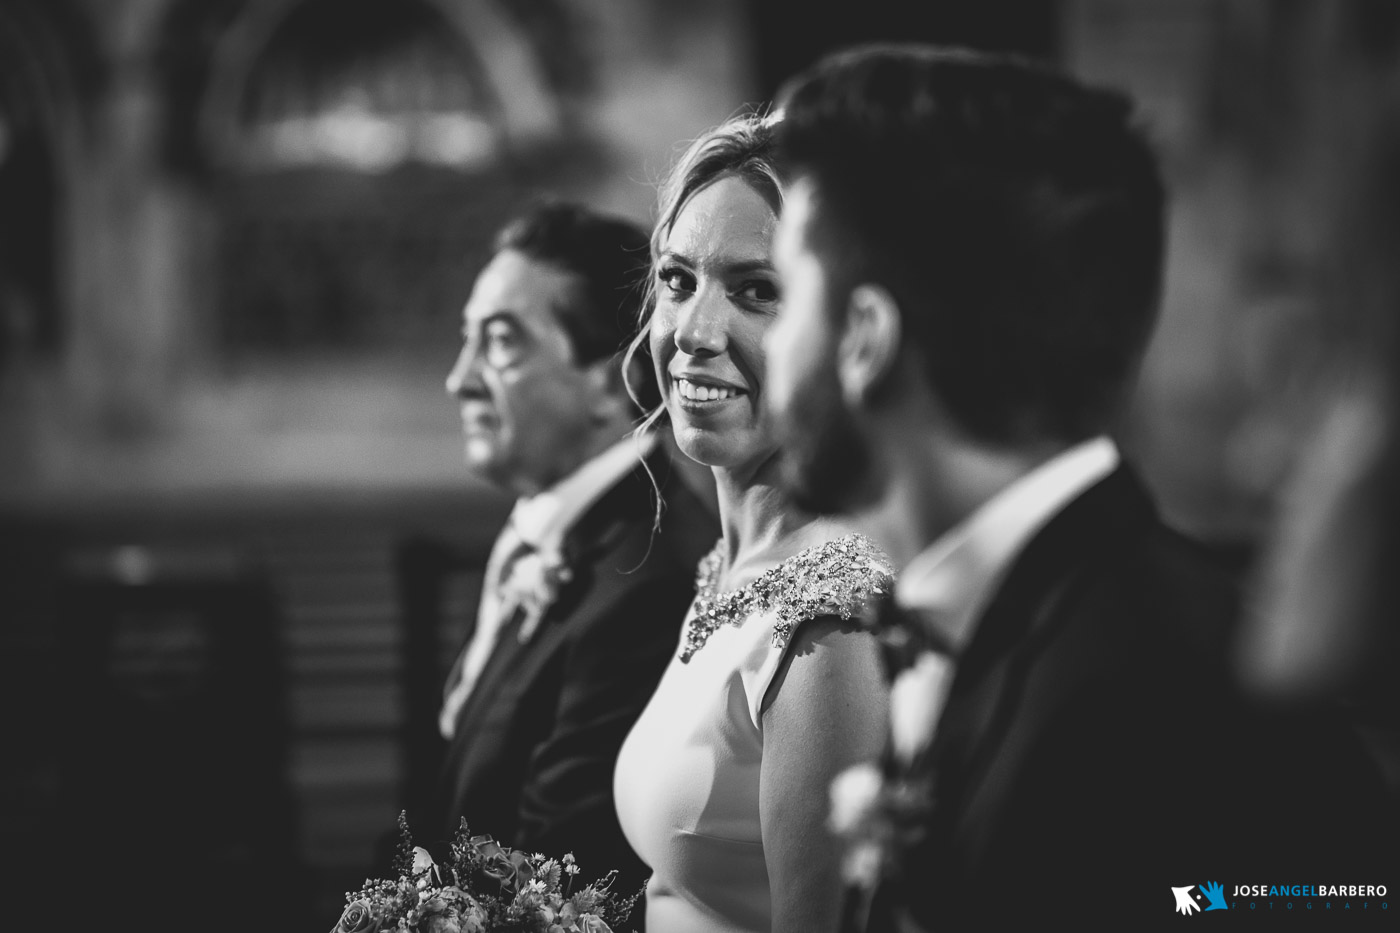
x=836, y=578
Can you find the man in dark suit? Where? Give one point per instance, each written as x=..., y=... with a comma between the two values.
x=971, y=251
x=585, y=590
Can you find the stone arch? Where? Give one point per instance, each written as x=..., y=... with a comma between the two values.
x=523, y=101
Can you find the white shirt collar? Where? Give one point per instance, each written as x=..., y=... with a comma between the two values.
x=954, y=577
x=542, y=520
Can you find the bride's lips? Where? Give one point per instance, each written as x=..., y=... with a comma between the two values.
x=699, y=393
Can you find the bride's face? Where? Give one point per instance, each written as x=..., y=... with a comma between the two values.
x=717, y=295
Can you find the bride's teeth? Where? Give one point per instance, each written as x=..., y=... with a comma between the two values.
x=699, y=393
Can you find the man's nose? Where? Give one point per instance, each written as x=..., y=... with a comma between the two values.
x=701, y=329
x=464, y=381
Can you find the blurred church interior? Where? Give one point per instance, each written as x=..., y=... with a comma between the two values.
x=237, y=538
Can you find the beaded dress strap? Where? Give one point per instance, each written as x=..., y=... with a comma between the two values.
x=835, y=578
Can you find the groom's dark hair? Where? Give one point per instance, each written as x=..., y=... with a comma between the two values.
x=1015, y=215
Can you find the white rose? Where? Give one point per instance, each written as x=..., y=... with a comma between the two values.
x=916, y=701
x=855, y=793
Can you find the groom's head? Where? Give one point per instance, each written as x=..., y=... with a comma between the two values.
x=970, y=239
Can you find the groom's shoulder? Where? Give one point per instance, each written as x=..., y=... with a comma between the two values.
x=1151, y=582
x=1146, y=615
x=1172, y=575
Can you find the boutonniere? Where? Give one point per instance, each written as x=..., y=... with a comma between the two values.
x=533, y=585
x=878, y=817
x=917, y=697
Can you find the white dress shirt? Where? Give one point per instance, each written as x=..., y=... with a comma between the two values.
x=537, y=523
x=953, y=579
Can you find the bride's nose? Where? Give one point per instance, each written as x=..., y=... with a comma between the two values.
x=701, y=328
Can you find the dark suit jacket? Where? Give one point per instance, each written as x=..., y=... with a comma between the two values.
x=1092, y=753
x=531, y=761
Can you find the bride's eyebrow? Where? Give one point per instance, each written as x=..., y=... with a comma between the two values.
x=671, y=255
x=720, y=265
x=743, y=266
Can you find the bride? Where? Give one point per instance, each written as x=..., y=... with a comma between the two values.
x=722, y=785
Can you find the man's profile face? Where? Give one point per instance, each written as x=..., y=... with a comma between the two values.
x=824, y=454
x=526, y=405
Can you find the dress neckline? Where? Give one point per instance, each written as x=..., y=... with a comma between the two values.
x=837, y=577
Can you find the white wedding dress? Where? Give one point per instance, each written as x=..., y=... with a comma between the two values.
x=687, y=778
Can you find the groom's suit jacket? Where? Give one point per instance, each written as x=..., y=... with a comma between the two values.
x=531, y=759
x=1092, y=753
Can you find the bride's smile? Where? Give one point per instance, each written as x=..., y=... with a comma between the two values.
x=700, y=393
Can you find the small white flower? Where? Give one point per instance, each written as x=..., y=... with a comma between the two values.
x=860, y=865
x=855, y=793
x=916, y=701
x=422, y=860
x=533, y=584
x=423, y=864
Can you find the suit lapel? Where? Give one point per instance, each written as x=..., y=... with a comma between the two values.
x=1018, y=622
x=1022, y=618
x=591, y=537
x=598, y=531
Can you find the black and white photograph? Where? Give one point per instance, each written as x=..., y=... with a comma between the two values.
x=699, y=466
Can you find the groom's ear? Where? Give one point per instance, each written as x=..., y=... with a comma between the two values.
x=869, y=347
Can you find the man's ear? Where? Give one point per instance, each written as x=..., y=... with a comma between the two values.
x=869, y=346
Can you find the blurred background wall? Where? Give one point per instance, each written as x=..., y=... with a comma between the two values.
x=235, y=237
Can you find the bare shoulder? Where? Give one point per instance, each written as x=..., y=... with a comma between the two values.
x=830, y=662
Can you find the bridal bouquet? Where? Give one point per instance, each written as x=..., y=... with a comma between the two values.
x=482, y=888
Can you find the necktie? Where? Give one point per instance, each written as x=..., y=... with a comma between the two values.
x=492, y=615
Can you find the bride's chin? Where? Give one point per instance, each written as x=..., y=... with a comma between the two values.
x=734, y=451
x=699, y=445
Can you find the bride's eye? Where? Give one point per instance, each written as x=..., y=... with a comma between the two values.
x=762, y=291
x=676, y=280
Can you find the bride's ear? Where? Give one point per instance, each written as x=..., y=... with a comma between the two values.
x=869, y=347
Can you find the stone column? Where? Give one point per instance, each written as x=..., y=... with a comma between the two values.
x=130, y=231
